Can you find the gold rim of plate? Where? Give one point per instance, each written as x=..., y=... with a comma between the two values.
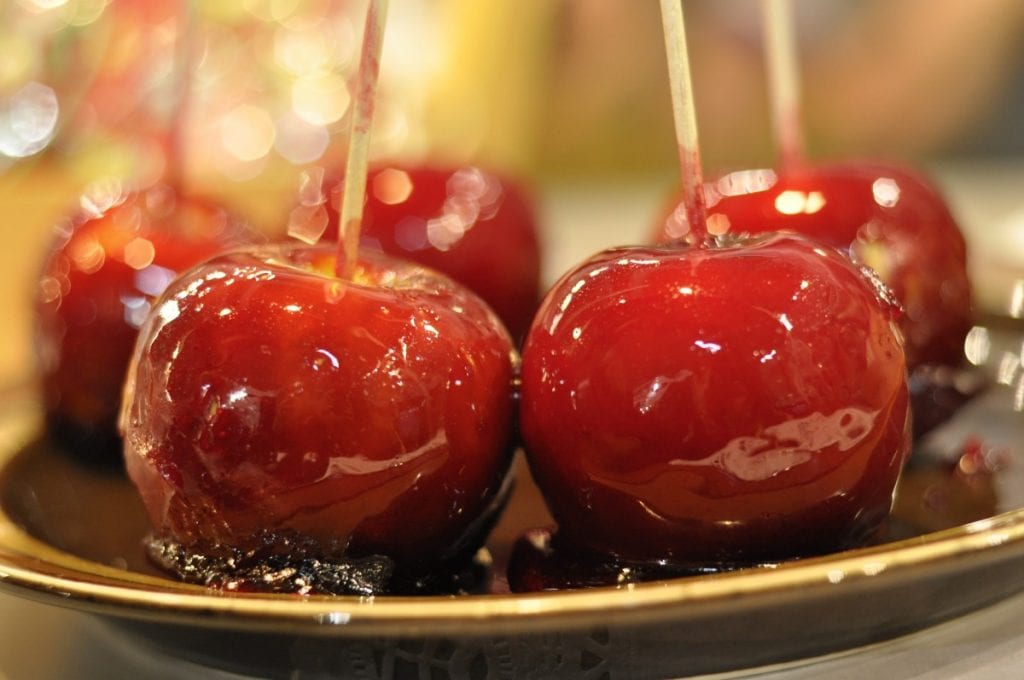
x=33, y=568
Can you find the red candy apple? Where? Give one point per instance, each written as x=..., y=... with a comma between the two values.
x=476, y=227
x=97, y=283
x=885, y=217
x=726, y=404
x=269, y=397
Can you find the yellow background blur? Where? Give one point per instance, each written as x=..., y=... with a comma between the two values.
x=571, y=95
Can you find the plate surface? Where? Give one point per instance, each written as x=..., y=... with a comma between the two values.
x=71, y=535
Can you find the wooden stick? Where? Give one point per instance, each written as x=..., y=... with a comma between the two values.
x=685, y=119
x=780, y=55
x=354, y=192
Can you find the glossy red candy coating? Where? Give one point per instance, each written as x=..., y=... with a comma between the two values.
x=98, y=279
x=269, y=396
x=730, y=404
x=886, y=217
x=476, y=227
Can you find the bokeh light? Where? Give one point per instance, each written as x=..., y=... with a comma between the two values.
x=28, y=120
x=300, y=141
x=247, y=132
x=321, y=99
x=267, y=88
x=302, y=53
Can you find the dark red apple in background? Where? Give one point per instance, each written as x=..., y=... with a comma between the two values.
x=471, y=224
x=730, y=404
x=98, y=279
x=371, y=417
x=886, y=217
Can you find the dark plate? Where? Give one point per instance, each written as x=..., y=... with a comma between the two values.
x=71, y=535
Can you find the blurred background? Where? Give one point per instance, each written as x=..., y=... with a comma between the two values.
x=236, y=98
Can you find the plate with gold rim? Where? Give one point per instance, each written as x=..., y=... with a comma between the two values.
x=71, y=535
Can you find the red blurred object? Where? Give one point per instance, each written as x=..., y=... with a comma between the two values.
x=885, y=217
x=98, y=280
x=476, y=227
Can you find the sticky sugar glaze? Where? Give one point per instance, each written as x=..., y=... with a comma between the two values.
x=270, y=396
x=734, y=403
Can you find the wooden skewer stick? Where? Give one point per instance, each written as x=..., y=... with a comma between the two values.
x=685, y=119
x=780, y=55
x=354, y=193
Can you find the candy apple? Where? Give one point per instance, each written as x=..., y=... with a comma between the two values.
x=733, y=403
x=104, y=268
x=271, y=402
x=476, y=227
x=885, y=217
